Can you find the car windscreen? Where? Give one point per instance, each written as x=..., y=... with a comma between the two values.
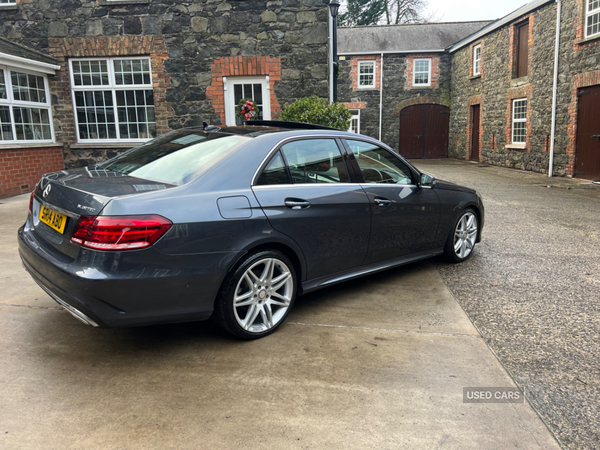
x=177, y=157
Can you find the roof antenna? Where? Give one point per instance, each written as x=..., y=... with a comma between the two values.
x=210, y=128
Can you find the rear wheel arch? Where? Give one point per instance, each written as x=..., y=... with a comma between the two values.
x=296, y=259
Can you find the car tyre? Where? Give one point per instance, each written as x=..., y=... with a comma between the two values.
x=463, y=235
x=257, y=295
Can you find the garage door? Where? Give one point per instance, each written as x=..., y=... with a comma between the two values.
x=587, y=153
x=424, y=131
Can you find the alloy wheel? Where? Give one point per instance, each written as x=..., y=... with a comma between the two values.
x=263, y=295
x=465, y=235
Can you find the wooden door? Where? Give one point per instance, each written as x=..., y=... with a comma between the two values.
x=587, y=152
x=475, y=133
x=424, y=131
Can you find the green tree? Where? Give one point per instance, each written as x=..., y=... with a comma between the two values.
x=390, y=12
x=317, y=111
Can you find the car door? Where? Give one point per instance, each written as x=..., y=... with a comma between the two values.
x=306, y=192
x=404, y=216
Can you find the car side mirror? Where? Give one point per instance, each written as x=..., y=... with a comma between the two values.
x=427, y=181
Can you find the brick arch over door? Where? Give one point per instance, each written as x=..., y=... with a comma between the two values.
x=424, y=130
x=418, y=101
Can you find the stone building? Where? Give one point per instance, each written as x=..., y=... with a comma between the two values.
x=502, y=113
x=396, y=81
x=496, y=78
x=97, y=77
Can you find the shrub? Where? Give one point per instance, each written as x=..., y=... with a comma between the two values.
x=317, y=111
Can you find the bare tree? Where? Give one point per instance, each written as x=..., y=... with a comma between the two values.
x=373, y=12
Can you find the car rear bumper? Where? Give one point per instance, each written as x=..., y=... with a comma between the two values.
x=108, y=289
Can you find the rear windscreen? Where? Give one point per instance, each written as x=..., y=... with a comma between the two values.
x=177, y=157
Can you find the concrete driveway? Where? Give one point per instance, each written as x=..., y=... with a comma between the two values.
x=379, y=362
x=533, y=289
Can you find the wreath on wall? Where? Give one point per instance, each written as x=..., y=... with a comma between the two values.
x=247, y=109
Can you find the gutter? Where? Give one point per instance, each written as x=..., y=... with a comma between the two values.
x=28, y=64
x=388, y=52
x=555, y=88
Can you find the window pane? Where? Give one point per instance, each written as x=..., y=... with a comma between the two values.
x=274, y=173
x=3, y=93
x=593, y=24
x=135, y=111
x=5, y=125
x=519, y=131
x=520, y=109
x=90, y=73
x=95, y=115
x=593, y=4
x=135, y=71
x=315, y=161
x=377, y=165
x=177, y=157
x=366, y=74
x=28, y=88
x=32, y=124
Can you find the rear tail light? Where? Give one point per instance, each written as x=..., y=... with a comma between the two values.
x=119, y=232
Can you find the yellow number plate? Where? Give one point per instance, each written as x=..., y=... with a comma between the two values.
x=53, y=219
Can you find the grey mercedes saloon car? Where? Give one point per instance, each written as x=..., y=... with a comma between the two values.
x=234, y=223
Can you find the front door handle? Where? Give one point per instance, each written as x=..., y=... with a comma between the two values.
x=382, y=201
x=597, y=136
x=296, y=203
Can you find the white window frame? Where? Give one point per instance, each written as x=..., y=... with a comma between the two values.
x=428, y=72
x=10, y=2
x=229, y=98
x=589, y=13
x=514, y=120
x=11, y=103
x=477, y=60
x=355, y=116
x=368, y=62
x=113, y=87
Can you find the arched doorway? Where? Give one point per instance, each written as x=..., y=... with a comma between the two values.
x=424, y=131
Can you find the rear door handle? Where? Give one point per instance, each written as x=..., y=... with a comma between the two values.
x=382, y=201
x=296, y=203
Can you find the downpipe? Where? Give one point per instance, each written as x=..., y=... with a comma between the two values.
x=555, y=88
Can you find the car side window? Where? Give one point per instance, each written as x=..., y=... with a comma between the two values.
x=315, y=161
x=274, y=173
x=377, y=165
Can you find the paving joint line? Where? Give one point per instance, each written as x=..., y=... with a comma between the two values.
x=31, y=307
x=386, y=329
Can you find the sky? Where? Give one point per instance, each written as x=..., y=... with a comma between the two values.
x=467, y=10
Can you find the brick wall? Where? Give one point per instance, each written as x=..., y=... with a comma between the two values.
x=243, y=66
x=435, y=71
x=21, y=169
x=354, y=70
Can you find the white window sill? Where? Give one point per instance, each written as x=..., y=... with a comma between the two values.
x=516, y=146
x=367, y=88
x=4, y=6
x=588, y=39
x=21, y=144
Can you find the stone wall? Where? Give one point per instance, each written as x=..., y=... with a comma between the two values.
x=398, y=91
x=495, y=89
x=189, y=38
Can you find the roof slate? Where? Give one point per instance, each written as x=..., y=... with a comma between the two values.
x=10, y=48
x=405, y=37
